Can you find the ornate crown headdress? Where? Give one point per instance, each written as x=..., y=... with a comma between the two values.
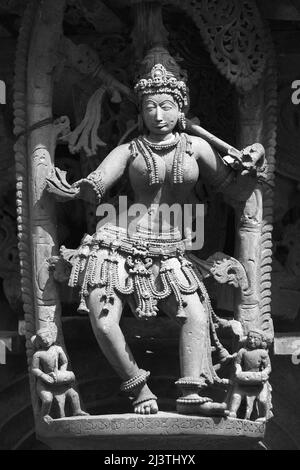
x=161, y=74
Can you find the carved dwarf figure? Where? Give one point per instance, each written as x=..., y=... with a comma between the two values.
x=54, y=381
x=252, y=370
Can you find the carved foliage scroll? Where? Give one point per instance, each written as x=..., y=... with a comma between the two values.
x=234, y=35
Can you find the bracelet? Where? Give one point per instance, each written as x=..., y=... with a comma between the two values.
x=96, y=181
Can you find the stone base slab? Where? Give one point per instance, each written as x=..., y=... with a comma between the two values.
x=161, y=431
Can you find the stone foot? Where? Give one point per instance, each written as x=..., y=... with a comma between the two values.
x=208, y=408
x=81, y=413
x=47, y=419
x=145, y=402
x=261, y=420
x=146, y=408
x=213, y=409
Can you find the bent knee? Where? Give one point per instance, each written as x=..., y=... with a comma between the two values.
x=105, y=326
x=46, y=397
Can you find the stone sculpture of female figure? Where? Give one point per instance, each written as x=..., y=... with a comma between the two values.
x=147, y=267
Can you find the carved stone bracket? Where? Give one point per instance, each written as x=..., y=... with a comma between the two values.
x=224, y=269
x=57, y=185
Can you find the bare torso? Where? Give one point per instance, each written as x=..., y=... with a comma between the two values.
x=158, y=199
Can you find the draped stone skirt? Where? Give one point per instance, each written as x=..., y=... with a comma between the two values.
x=145, y=268
x=148, y=268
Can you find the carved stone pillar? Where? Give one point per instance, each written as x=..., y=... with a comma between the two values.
x=34, y=153
x=149, y=30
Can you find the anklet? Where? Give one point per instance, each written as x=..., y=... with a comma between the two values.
x=135, y=382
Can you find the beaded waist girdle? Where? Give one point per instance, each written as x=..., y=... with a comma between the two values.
x=93, y=267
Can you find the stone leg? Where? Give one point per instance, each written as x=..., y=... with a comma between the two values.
x=235, y=403
x=75, y=402
x=61, y=400
x=263, y=401
x=250, y=403
x=195, y=355
x=111, y=340
x=47, y=398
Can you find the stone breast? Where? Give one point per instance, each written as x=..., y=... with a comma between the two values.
x=139, y=173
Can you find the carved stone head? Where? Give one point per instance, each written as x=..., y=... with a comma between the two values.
x=45, y=337
x=159, y=74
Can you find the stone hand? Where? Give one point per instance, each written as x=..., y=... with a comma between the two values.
x=53, y=375
x=58, y=186
x=48, y=378
x=252, y=159
x=84, y=190
x=264, y=376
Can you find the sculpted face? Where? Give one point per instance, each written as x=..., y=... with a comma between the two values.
x=45, y=339
x=254, y=340
x=160, y=114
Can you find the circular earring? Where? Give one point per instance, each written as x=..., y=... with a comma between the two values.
x=181, y=121
x=140, y=123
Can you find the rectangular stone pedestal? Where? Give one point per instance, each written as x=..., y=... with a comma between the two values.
x=161, y=431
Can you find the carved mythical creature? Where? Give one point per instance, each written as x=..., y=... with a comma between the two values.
x=251, y=378
x=54, y=381
x=144, y=263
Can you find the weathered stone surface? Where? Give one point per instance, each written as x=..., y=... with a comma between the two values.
x=164, y=430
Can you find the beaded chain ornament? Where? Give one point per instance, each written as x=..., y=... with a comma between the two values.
x=144, y=147
x=90, y=269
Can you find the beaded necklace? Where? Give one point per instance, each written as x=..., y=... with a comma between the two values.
x=182, y=146
x=164, y=145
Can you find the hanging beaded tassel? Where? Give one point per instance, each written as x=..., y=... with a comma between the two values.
x=139, y=270
x=150, y=161
x=144, y=147
x=178, y=163
x=168, y=272
x=110, y=267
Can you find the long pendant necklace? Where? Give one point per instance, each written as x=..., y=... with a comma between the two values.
x=144, y=147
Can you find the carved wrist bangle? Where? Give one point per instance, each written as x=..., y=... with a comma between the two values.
x=96, y=181
x=135, y=382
